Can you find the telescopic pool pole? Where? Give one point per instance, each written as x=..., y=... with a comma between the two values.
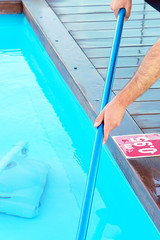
x=92, y=175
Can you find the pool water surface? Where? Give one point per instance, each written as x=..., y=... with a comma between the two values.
x=37, y=106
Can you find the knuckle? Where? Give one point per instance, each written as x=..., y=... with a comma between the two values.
x=111, y=5
x=117, y=123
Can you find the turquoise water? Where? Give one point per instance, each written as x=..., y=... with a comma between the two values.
x=37, y=107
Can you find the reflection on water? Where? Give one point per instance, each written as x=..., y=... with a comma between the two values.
x=104, y=230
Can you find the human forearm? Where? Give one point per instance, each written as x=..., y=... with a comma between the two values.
x=147, y=74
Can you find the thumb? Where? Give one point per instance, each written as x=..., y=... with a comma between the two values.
x=99, y=120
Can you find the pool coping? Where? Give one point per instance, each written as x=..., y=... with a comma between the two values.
x=84, y=80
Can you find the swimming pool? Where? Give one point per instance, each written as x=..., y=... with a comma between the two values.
x=38, y=107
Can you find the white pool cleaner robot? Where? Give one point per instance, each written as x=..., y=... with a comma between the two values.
x=22, y=183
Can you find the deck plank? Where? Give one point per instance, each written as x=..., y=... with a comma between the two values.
x=94, y=9
x=121, y=62
x=147, y=121
x=69, y=3
x=149, y=95
x=151, y=130
x=127, y=33
x=151, y=23
x=137, y=51
x=144, y=108
x=95, y=17
x=125, y=42
x=10, y=7
x=119, y=83
x=120, y=72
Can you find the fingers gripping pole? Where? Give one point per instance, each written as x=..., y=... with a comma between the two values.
x=91, y=179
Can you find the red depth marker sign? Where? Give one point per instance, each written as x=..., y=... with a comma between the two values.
x=139, y=145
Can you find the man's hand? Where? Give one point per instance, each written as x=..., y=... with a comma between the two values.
x=112, y=116
x=117, y=4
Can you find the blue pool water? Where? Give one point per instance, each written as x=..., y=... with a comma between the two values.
x=36, y=106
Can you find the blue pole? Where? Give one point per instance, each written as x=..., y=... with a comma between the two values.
x=92, y=175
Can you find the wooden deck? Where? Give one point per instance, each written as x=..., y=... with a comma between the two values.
x=10, y=7
x=92, y=24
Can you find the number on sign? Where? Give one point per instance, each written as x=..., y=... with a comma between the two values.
x=141, y=144
x=148, y=150
x=139, y=139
